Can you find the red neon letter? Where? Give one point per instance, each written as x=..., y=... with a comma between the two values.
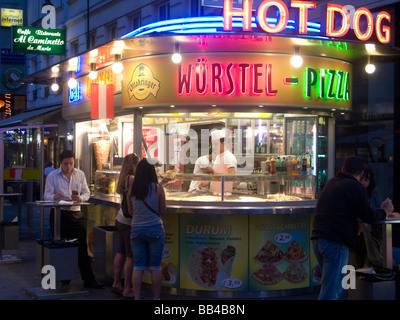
x=256, y=75
x=303, y=13
x=386, y=30
x=229, y=12
x=330, y=20
x=201, y=71
x=283, y=16
x=370, y=24
x=230, y=79
x=216, y=78
x=268, y=81
x=184, y=80
x=243, y=67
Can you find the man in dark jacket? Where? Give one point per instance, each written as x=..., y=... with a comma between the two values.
x=342, y=202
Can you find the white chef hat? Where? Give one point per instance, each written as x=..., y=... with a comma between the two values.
x=218, y=134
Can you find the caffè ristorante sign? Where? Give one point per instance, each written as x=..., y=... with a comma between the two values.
x=41, y=41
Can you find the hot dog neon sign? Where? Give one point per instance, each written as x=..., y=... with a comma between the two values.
x=381, y=25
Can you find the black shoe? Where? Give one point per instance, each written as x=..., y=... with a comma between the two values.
x=93, y=284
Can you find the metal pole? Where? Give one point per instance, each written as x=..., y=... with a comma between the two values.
x=87, y=26
x=42, y=164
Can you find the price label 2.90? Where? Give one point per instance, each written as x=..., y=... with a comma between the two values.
x=283, y=237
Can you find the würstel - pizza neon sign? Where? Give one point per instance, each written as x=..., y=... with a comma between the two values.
x=334, y=13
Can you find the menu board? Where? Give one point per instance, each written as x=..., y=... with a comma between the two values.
x=315, y=270
x=214, y=252
x=279, y=252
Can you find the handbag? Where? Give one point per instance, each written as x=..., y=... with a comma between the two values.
x=124, y=204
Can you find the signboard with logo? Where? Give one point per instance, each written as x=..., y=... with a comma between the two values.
x=236, y=79
x=11, y=17
x=11, y=78
x=39, y=41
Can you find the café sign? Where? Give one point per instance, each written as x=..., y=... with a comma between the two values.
x=39, y=41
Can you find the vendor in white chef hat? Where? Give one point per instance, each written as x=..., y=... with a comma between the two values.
x=225, y=162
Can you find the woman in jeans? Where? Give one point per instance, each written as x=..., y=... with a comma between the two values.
x=147, y=234
x=123, y=257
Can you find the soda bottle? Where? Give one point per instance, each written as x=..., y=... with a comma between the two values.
x=278, y=166
x=273, y=166
x=304, y=164
x=289, y=166
x=268, y=166
x=283, y=166
x=295, y=171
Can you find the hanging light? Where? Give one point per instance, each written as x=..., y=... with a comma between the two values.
x=55, y=86
x=93, y=72
x=72, y=83
x=296, y=60
x=117, y=66
x=55, y=69
x=176, y=56
x=370, y=67
x=370, y=47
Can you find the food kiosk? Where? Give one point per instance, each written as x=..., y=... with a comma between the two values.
x=278, y=121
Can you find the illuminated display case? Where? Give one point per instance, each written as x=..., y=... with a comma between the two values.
x=105, y=183
x=242, y=189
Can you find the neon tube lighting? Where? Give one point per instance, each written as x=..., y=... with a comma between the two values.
x=206, y=24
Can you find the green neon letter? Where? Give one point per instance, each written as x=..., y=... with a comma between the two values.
x=311, y=80
x=339, y=85
x=331, y=78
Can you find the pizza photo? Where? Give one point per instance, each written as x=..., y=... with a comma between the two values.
x=295, y=273
x=268, y=274
x=269, y=253
x=295, y=252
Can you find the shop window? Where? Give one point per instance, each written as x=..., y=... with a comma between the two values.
x=163, y=12
x=92, y=40
x=112, y=32
x=194, y=8
x=34, y=94
x=74, y=48
x=136, y=22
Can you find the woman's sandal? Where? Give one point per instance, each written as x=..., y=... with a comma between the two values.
x=117, y=291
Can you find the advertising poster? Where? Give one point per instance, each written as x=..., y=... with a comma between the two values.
x=214, y=252
x=92, y=221
x=170, y=258
x=315, y=270
x=279, y=252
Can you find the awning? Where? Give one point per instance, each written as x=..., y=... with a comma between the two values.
x=22, y=118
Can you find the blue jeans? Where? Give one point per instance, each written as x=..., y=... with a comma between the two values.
x=147, y=247
x=332, y=257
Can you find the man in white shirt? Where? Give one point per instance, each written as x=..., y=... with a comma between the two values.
x=69, y=183
x=225, y=163
x=201, y=166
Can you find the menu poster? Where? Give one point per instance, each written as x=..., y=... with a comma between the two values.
x=170, y=257
x=315, y=270
x=214, y=252
x=279, y=252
